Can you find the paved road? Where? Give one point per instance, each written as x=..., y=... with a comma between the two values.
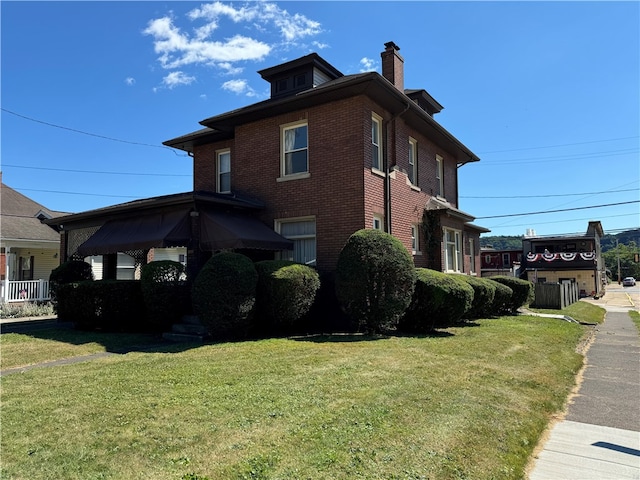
x=600, y=437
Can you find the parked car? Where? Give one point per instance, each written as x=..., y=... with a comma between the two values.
x=628, y=282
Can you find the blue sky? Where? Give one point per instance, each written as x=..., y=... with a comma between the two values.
x=545, y=93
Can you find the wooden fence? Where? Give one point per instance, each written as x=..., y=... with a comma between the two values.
x=555, y=296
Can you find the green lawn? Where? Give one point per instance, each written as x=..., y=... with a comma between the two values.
x=581, y=311
x=469, y=403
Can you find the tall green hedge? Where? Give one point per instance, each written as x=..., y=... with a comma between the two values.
x=224, y=293
x=113, y=305
x=439, y=300
x=375, y=278
x=67, y=272
x=523, y=292
x=285, y=293
x=165, y=293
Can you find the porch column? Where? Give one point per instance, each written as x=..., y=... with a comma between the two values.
x=110, y=266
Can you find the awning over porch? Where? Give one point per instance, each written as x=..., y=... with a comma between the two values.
x=168, y=229
x=219, y=230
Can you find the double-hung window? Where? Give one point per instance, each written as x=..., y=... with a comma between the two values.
x=223, y=171
x=376, y=142
x=295, y=149
x=439, y=180
x=303, y=234
x=412, y=173
x=452, y=251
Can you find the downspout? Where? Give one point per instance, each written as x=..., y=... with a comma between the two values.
x=385, y=167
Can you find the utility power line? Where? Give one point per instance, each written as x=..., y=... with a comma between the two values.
x=94, y=171
x=561, y=145
x=76, y=193
x=551, y=195
x=104, y=137
x=556, y=211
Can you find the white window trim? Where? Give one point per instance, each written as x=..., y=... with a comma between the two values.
x=457, y=242
x=413, y=161
x=218, y=154
x=298, y=175
x=472, y=256
x=415, y=238
x=440, y=175
x=377, y=119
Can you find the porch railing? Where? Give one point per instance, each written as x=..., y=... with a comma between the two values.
x=24, y=290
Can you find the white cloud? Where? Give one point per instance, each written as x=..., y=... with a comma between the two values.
x=177, y=48
x=239, y=87
x=320, y=45
x=367, y=64
x=175, y=79
x=130, y=81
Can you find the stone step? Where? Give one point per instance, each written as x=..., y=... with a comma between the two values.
x=183, y=337
x=189, y=328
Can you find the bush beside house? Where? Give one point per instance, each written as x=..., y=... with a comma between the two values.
x=439, y=300
x=375, y=279
x=522, y=291
x=285, y=293
x=224, y=294
x=165, y=293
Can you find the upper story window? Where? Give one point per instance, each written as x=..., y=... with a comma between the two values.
x=376, y=142
x=413, y=161
x=439, y=177
x=223, y=171
x=295, y=155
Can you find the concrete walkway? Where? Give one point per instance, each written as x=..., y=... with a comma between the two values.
x=600, y=435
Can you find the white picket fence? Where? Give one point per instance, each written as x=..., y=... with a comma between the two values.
x=24, y=291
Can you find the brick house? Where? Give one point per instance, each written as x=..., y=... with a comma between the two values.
x=330, y=154
x=326, y=155
x=500, y=262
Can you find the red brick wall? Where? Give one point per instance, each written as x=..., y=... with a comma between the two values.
x=342, y=192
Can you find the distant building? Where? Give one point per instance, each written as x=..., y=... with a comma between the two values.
x=574, y=258
x=500, y=262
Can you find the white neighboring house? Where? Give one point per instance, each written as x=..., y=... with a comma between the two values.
x=29, y=249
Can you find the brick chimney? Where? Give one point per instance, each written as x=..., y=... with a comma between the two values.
x=393, y=65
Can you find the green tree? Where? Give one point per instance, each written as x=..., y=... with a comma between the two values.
x=628, y=266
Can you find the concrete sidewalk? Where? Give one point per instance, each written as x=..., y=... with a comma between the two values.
x=600, y=436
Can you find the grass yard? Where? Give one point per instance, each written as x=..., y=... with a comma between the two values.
x=19, y=350
x=469, y=403
x=582, y=311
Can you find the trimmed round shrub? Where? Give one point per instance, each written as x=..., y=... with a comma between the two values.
x=165, y=293
x=67, y=272
x=375, y=278
x=224, y=293
x=439, y=300
x=285, y=292
x=502, y=299
x=484, y=291
x=523, y=292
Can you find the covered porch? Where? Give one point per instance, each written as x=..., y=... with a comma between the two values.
x=201, y=223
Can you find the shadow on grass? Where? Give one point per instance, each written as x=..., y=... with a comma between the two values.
x=113, y=342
